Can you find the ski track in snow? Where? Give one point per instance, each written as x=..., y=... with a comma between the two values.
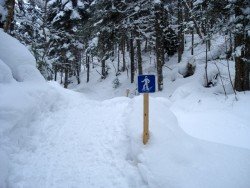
x=72, y=150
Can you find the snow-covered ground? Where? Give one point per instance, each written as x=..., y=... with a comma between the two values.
x=52, y=137
x=82, y=144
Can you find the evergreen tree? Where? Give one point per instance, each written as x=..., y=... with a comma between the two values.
x=242, y=50
x=64, y=18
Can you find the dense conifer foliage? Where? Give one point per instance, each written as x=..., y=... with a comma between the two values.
x=66, y=35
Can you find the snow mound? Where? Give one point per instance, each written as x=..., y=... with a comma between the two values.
x=21, y=103
x=174, y=159
x=28, y=73
x=18, y=58
x=209, y=116
x=5, y=73
x=4, y=168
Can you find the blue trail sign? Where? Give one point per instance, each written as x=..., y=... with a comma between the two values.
x=146, y=83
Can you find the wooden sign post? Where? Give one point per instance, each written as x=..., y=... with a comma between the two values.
x=145, y=118
x=146, y=85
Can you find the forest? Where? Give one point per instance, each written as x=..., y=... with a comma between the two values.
x=66, y=36
x=124, y=93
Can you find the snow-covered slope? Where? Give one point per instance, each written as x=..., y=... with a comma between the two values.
x=18, y=58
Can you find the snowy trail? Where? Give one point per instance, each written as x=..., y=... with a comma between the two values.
x=80, y=143
x=83, y=144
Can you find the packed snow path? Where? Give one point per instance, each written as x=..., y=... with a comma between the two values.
x=83, y=144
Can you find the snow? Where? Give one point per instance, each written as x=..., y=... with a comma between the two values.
x=198, y=137
x=238, y=51
x=157, y=1
x=75, y=15
x=246, y=11
x=20, y=61
x=197, y=2
x=52, y=137
x=72, y=150
x=2, y=10
x=4, y=166
x=3, y=13
x=208, y=116
x=68, y=5
x=83, y=137
x=5, y=73
x=137, y=8
x=94, y=41
x=174, y=159
x=20, y=102
x=99, y=22
x=2, y=2
x=58, y=16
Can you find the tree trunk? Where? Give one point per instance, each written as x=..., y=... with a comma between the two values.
x=61, y=75
x=206, y=24
x=159, y=44
x=87, y=66
x=78, y=70
x=146, y=46
x=242, y=68
x=10, y=6
x=229, y=53
x=247, y=62
x=77, y=65
x=192, y=31
x=56, y=69
x=132, y=60
x=128, y=44
x=66, y=76
x=180, y=31
x=139, y=58
x=206, y=63
x=103, y=69
x=118, y=59
x=192, y=47
x=123, y=54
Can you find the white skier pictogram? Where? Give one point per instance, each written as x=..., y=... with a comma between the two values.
x=146, y=84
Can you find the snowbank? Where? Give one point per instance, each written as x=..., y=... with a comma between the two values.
x=17, y=57
x=20, y=105
x=5, y=73
x=24, y=95
x=204, y=114
x=174, y=159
